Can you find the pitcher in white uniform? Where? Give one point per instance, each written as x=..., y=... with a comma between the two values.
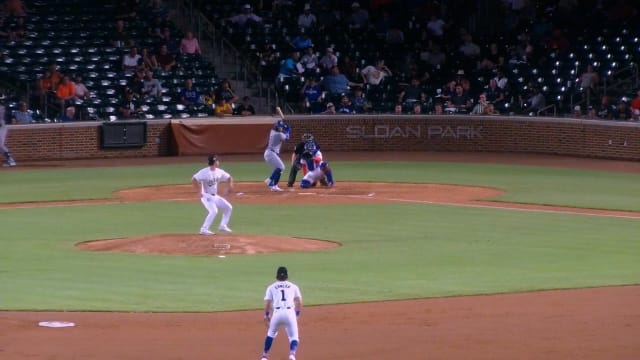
x=206, y=182
x=282, y=306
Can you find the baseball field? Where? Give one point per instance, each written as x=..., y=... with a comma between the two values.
x=437, y=256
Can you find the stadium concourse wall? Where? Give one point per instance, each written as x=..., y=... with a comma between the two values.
x=562, y=136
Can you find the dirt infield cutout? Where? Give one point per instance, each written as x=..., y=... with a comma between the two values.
x=257, y=193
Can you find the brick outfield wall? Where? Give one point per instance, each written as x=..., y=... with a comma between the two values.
x=581, y=138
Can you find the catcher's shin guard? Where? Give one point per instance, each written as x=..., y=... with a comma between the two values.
x=327, y=172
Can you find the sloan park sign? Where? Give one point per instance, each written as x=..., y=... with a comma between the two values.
x=415, y=131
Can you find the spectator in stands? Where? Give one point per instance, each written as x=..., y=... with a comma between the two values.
x=290, y=67
x=492, y=58
x=225, y=92
x=434, y=58
x=438, y=108
x=383, y=24
x=412, y=93
x=82, y=92
x=331, y=109
x=436, y=27
x=577, y=112
x=312, y=96
x=359, y=101
x=622, y=111
x=223, y=108
x=189, y=45
x=336, y=83
x=190, y=96
x=329, y=17
x=301, y=42
x=328, y=61
x=14, y=8
x=448, y=91
x=460, y=101
x=157, y=24
x=397, y=109
x=22, y=115
x=65, y=93
x=494, y=94
x=246, y=18
x=68, y=115
x=345, y=107
x=42, y=89
x=165, y=59
x=635, y=103
x=151, y=86
x=157, y=9
x=130, y=106
x=501, y=79
x=483, y=106
x=592, y=113
x=244, y=108
x=359, y=18
x=407, y=66
x=470, y=51
x=167, y=38
x=349, y=68
x=131, y=60
x=558, y=41
x=119, y=37
x=606, y=109
x=307, y=20
x=149, y=61
x=136, y=84
x=536, y=102
x=309, y=62
x=55, y=76
x=394, y=38
x=417, y=108
x=375, y=74
x=589, y=79
x=18, y=30
x=268, y=65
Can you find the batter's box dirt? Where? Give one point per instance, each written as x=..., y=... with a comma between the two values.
x=199, y=245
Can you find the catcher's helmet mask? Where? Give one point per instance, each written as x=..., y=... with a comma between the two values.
x=212, y=159
x=307, y=137
x=310, y=146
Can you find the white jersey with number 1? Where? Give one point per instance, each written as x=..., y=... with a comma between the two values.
x=281, y=294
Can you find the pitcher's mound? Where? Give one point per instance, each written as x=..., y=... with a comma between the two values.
x=195, y=244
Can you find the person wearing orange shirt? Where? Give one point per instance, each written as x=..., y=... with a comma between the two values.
x=635, y=103
x=65, y=92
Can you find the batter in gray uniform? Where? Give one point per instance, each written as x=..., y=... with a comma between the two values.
x=278, y=135
x=4, y=129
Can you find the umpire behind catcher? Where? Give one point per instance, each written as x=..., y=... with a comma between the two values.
x=297, y=156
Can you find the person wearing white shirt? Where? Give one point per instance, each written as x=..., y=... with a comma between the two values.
x=206, y=183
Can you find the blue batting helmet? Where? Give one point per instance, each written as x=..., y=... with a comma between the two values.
x=279, y=125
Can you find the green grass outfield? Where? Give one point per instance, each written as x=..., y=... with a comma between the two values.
x=389, y=251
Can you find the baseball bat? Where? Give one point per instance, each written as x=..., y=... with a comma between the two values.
x=279, y=112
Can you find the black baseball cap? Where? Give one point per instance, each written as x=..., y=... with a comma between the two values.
x=282, y=272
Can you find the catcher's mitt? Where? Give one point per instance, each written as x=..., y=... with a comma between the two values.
x=307, y=155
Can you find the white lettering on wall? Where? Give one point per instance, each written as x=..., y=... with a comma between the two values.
x=433, y=132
